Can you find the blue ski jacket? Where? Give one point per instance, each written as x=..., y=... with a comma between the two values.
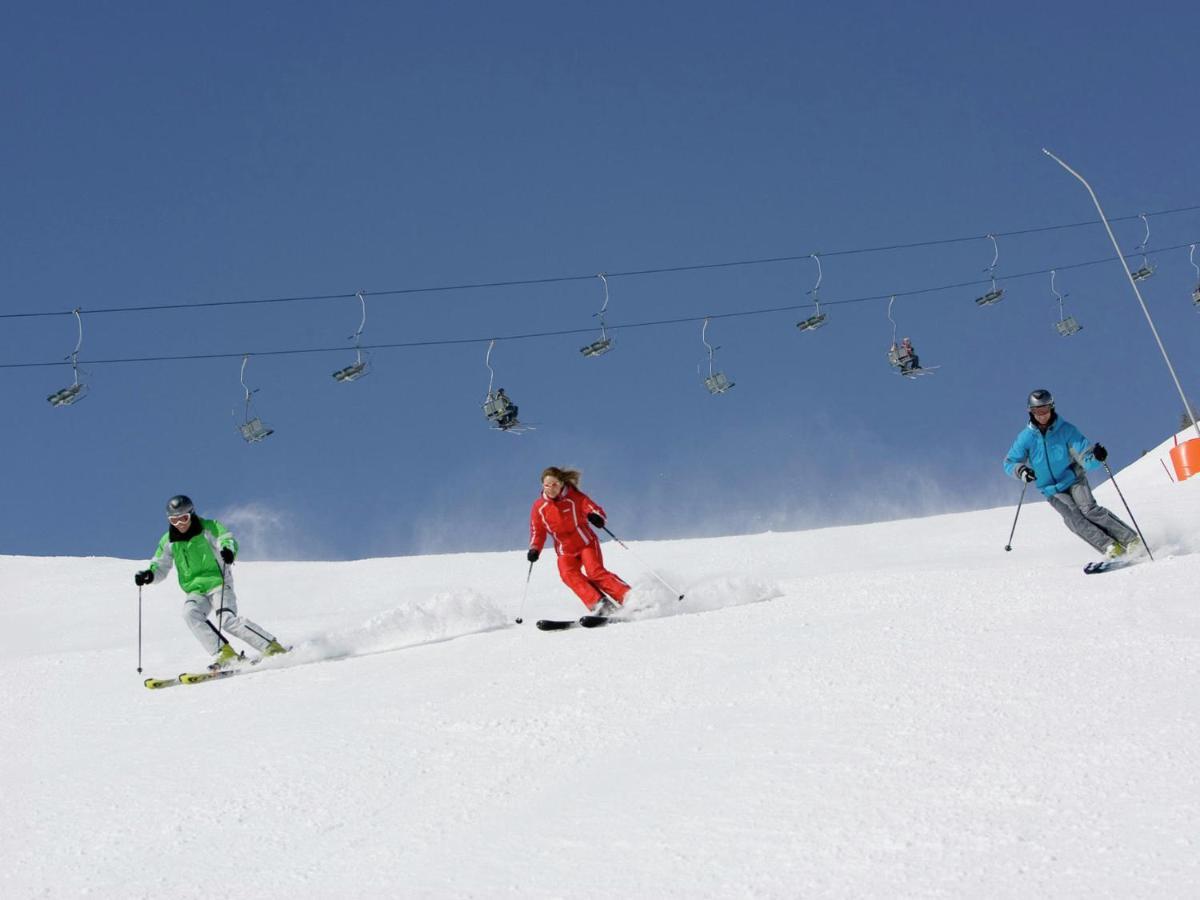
x=1058, y=458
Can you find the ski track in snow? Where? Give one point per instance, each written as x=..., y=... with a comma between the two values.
x=899, y=709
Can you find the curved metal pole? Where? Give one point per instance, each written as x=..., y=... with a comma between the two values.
x=361, y=325
x=991, y=270
x=487, y=361
x=1192, y=260
x=1133, y=284
x=711, y=349
x=78, y=345
x=892, y=300
x=1054, y=290
x=816, y=257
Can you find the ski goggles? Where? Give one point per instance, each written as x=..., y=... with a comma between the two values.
x=180, y=519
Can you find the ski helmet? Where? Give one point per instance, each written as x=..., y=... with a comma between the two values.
x=1041, y=397
x=180, y=505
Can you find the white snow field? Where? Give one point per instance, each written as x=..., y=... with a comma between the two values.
x=892, y=710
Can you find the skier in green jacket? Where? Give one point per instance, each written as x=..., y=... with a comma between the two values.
x=202, y=550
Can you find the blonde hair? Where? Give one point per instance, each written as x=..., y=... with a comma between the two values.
x=566, y=476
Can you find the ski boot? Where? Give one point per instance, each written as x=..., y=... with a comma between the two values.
x=223, y=659
x=1113, y=550
x=604, y=607
x=274, y=649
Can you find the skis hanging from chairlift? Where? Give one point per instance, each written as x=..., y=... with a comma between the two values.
x=1196, y=289
x=903, y=356
x=358, y=368
x=604, y=343
x=75, y=391
x=252, y=428
x=1066, y=325
x=716, y=382
x=993, y=295
x=815, y=321
x=1147, y=267
x=498, y=407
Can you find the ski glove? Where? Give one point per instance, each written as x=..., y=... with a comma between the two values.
x=227, y=556
x=1100, y=453
x=533, y=555
x=1026, y=474
x=143, y=577
x=595, y=519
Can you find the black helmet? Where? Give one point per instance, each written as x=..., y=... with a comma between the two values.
x=1041, y=397
x=180, y=505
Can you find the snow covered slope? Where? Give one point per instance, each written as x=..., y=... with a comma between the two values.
x=899, y=709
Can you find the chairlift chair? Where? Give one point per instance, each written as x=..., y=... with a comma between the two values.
x=1196, y=289
x=604, y=343
x=716, y=382
x=901, y=358
x=359, y=367
x=252, y=429
x=1066, y=325
x=75, y=391
x=498, y=407
x=996, y=293
x=817, y=319
x=1147, y=267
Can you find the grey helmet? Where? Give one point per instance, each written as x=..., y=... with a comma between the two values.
x=180, y=505
x=1041, y=397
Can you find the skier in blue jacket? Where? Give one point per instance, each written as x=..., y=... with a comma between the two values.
x=1055, y=455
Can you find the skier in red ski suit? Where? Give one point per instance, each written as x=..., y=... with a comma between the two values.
x=566, y=513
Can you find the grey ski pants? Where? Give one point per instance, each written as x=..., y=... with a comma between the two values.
x=1089, y=520
x=196, y=609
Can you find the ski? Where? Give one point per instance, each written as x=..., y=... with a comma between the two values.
x=556, y=624
x=582, y=621
x=156, y=683
x=201, y=677
x=1108, y=565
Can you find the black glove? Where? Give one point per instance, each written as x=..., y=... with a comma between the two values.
x=227, y=556
x=143, y=577
x=533, y=554
x=1100, y=453
x=1026, y=474
x=595, y=519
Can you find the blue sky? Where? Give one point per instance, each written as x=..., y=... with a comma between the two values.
x=158, y=154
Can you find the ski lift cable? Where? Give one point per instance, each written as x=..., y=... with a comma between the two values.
x=403, y=345
x=526, y=282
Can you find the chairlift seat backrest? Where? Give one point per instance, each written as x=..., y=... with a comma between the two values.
x=67, y=395
x=1143, y=273
x=497, y=407
x=352, y=372
x=1196, y=295
x=1068, y=326
x=597, y=348
x=990, y=297
x=254, y=430
x=812, y=323
x=717, y=383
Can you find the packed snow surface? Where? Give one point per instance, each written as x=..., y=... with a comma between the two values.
x=898, y=709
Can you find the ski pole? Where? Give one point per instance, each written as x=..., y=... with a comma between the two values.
x=139, y=629
x=521, y=611
x=642, y=561
x=1127, y=509
x=1024, y=487
x=221, y=610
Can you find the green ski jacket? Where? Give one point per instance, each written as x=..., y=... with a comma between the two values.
x=195, y=554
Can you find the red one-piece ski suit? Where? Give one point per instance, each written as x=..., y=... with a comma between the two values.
x=580, y=562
